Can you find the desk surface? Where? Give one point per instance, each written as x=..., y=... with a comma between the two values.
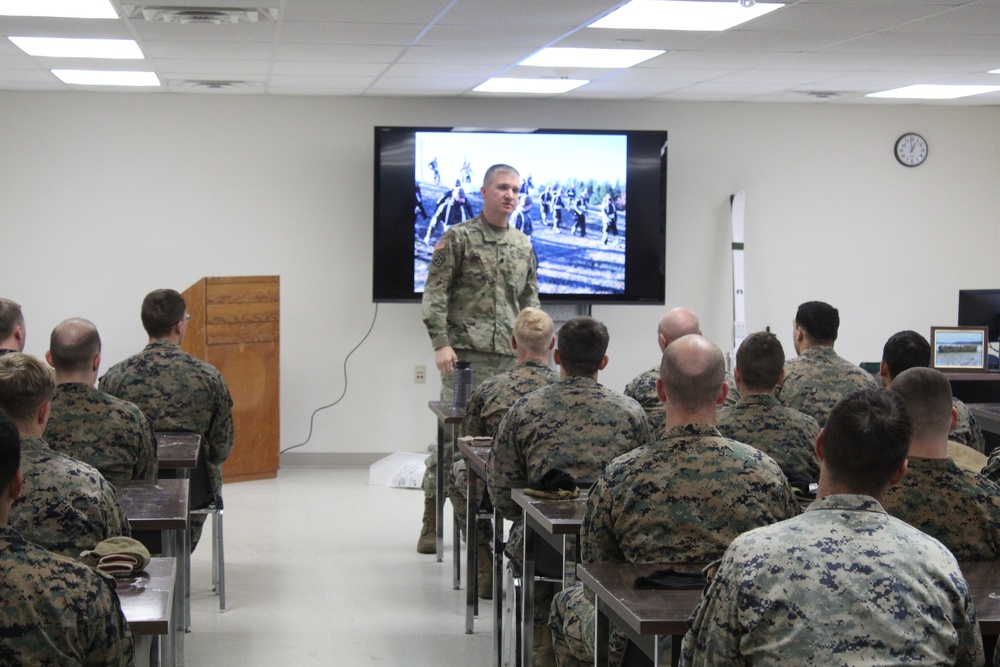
x=446, y=413
x=556, y=517
x=155, y=504
x=177, y=449
x=987, y=414
x=147, y=597
x=477, y=456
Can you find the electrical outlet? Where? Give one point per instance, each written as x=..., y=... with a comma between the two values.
x=420, y=376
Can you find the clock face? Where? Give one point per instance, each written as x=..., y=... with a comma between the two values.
x=911, y=149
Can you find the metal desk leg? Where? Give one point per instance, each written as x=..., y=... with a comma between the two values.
x=602, y=635
x=173, y=645
x=439, y=500
x=528, y=593
x=471, y=550
x=456, y=550
x=498, y=577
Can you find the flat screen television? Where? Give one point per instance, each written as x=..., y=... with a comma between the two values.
x=592, y=201
x=980, y=308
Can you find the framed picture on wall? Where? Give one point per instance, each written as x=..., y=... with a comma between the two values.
x=955, y=349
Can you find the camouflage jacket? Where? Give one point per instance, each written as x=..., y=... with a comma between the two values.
x=108, y=433
x=842, y=584
x=957, y=507
x=490, y=401
x=57, y=611
x=967, y=430
x=178, y=392
x=66, y=505
x=787, y=436
x=683, y=499
x=817, y=379
x=643, y=389
x=477, y=282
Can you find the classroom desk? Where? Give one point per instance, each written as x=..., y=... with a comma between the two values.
x=647, y=615
x=553, y=521
x=449, y=417
x=178, y=451
x=988, y=417
x=147, y=601
x=162, y=506
x=477, y=455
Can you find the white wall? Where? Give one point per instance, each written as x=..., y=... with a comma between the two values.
x=104, y=197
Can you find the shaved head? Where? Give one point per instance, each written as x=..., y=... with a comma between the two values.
x=692, y=372
x=676, y=323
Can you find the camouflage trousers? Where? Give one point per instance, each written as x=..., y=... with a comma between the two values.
x=572, y=622
x=458, y=486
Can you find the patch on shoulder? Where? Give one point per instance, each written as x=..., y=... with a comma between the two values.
x=438, y=259
x=440, y=245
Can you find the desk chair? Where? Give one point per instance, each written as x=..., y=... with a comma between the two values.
x=548, y=567
x=204, y=501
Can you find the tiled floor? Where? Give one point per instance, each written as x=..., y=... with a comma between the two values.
x=322, y=569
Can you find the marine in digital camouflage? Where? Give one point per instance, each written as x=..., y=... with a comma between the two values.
x=842, y=584
x=957, y=507
x=967, y=430
x=643, y=389
x=108, y=433
x=681, y=500
x=57, y=611
x=787, y=436
x=818, y=378
x=66, y=506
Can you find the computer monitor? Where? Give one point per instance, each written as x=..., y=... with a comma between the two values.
x=980, y=308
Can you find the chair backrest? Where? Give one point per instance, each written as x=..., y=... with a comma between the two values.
x=201, y=494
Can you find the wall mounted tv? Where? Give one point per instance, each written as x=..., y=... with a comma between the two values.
x=427, y=179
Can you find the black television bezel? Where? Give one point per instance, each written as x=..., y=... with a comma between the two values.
x=968, y=315
x=645, y=249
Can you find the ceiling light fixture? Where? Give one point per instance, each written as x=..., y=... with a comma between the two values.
x=684, y=15
x=597, y=58
x=59, y=47
x=82, y=77
x=747, y=3
x=933, y=92
x=70, y=9
x=531, y=86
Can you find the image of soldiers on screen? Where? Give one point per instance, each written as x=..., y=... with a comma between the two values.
x=453, y=207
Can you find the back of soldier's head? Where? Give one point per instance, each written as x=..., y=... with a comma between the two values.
x=760, y=361
x=866, y=438
x=73, y=345
x=10, y=450
x=533, y=330
x=927, y=394
x=819, y=320
x=10, y=317
x=161, y=310
x=582, y=342
x=678, y=322
x=25, y=383
x=692, y=371
x=905, y=350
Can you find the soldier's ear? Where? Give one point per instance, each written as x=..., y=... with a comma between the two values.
x=96, y=363
x=819, y=446
x=16, y=485
x=604, y=363
x=660, y=391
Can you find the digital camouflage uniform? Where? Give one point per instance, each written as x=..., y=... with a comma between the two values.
x=967, y=430
x=178, y=392
x=66, y=506
x=108, y=433
x=643, y=389
x=478, y=280
x=957, y=507
x=843, y=584
x=681, y=500
x=57, y=611
x=488, y=404
x=787, y=436
x=818, y=378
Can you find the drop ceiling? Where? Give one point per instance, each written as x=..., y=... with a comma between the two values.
x=822, y=51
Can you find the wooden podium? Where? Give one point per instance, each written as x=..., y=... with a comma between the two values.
x=234, y=326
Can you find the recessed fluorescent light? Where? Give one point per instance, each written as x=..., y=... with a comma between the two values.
x=933, y=92
x=683, y=15
x=538, y=86
x=84, y=77
x=603, y=58
x=58, y=47
x=71, y=9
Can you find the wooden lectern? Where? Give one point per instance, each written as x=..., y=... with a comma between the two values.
x=234, y=326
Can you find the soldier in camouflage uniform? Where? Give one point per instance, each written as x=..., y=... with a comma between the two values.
x=958, y=507
x=844, y=583
x=12, y=331
x=56, y=611
x=488, y=404
x=108, y=433
x=67, y=506
x=481, y=275
x=818, y=377
x=908, y=349
x=176, y=391
x=674, y=324
x=575, y=425
x=681, y=500
x=788, y=436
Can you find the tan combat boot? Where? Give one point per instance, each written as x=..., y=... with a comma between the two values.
x=427, y=543
x=484, y=570
x=542, y=652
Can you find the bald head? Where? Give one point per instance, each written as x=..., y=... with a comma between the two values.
x=73, y=346
x=676, y=323
x=692, y=373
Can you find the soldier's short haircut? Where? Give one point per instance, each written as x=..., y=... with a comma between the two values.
x=533, y=330
x=582, y=341
x=760, y=360
x=927, y=394
x=73, y=345
x=10, y=450
x=692, y=375
x=10, y=317
x=492, y=172
x=161, y=310
x=25, y=383
x=866, y=438
x=821, y=321
x=905, y=350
